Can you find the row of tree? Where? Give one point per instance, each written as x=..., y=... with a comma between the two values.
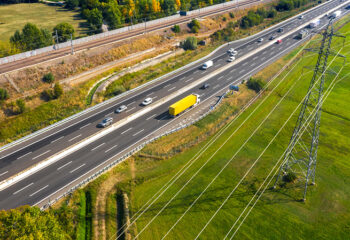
x=287, y=5
x=31, y=37
x=115, y=13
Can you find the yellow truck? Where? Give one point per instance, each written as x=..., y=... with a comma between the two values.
x=183, y=104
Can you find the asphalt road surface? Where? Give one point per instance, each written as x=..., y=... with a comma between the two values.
x=42, y=185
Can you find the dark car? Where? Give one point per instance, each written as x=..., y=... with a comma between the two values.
x=280, y=30
x=205, y=86
x=105, y=122
x=272, y=37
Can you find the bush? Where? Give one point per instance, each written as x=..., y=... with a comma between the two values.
x=21, y=105
x=289, y=177
x=231, y=15
x=176, y=29
x=272, y=13
x=194, y=25
x=3, y=94
x=190, y=43
x=224, y=19
x=57, y=90
x=255, y=84
x=47, y=95
x=49, y=77
x=195, y=29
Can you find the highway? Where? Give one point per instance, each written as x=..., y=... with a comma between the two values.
x=40, y=58
x=44, y=184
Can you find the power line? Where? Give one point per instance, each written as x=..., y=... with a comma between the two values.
x=308, y=122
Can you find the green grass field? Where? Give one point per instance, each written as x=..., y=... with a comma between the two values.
x=14, y=16
x=279, y=214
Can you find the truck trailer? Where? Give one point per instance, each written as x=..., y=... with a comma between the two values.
x=183, y=104
x=314, y=23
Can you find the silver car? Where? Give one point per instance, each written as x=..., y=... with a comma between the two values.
x=105, y=122
x=120, y=109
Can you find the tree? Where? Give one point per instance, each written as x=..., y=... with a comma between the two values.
x=95, y=19
x=112, y=14
x=31, y=38
x=49, y=77
x=72, y=4
x=176, y=29
x=3, y=94
x=64, y=31
x=190, y=43
x=169, y=7
x=57, y=90
x=21, y=105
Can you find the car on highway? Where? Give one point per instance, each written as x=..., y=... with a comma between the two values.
x=120, y=109
x=234, y=53
x=231, y=50
x=281, y=30
x=301, y=17
x=279, y=41
x=272, y=37
x=147, y=101
x=205, y=86
x=260, y=39
x=231, y=59
x=105, y=122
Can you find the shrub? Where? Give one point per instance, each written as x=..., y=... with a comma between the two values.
x=224, y=19
x=190, y=43
x=57, y=90
x=289, y=177
x=231, y=15
x=47, y=95
x=255, y=84
x=195, y=29
x=272, y=13
x=21, y=105
x=176, y=29
x=49, y=77
x=3, y=94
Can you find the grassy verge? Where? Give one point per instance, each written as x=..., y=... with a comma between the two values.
x=81, y=230
x=279, y=214
x=14, y=16
x=111, y=216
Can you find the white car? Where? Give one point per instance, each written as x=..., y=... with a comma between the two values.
x=120, y=109
x=231, y=50
x=147, y=101
x=234, y=53
x=260, y=39
x=231, y=59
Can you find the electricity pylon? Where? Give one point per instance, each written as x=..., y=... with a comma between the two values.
x=301, y=155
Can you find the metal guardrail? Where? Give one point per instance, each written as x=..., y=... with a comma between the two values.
x=129, y=154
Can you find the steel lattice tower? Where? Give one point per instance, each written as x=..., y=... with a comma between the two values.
x=301, y=155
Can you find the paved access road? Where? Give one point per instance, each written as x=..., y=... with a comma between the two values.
x=46, y=183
